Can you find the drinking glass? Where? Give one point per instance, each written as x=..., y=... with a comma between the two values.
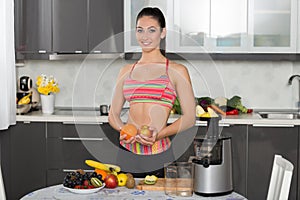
x=184, y=181
x=170, y=170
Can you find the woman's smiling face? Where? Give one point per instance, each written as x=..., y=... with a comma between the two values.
x=149, y=33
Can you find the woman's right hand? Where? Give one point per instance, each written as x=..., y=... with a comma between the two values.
x=129, y=141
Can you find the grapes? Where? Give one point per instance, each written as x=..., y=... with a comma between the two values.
x=78, y=178
x=94, y=174
x=99, y=176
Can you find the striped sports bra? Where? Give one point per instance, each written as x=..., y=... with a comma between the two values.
x=159, y=91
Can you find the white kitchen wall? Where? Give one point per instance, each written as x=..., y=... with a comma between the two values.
x=261, y=84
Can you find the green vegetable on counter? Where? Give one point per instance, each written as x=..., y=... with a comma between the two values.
x=176, y=106
x=235, y=102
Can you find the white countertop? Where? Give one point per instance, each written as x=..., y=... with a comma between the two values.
x=121, y=193
x=93, y=117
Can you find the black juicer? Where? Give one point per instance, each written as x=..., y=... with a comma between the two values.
x=213, y=162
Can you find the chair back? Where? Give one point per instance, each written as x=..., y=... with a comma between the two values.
x=281, y=178
x=2, y=189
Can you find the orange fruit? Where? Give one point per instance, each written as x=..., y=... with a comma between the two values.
x=102, y=172
x=130, y=130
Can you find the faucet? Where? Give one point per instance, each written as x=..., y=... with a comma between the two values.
x=290, y=83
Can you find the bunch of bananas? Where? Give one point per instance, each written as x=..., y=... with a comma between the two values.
x=113, y=169
x=25, y=100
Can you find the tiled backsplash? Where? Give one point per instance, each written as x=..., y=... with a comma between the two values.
x=261, y=84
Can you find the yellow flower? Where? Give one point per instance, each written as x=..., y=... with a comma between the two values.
x=47, y=85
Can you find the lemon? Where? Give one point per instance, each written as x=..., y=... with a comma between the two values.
x=150, y=180
x=122, y=179
x=206, y=114
x=199, y=111
x=211, y=112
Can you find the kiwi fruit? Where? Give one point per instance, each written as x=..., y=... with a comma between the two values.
x=130, y=183
x=129, y=175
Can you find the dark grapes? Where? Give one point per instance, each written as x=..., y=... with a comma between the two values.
x=99, y=176
x=77, y=178
x=94, y=174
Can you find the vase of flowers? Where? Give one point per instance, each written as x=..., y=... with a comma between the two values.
x=47, y=87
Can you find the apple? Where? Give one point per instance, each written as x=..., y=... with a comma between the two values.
x=146, y=131
x=111, y=181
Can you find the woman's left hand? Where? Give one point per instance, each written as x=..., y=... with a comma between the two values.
x=146, y=140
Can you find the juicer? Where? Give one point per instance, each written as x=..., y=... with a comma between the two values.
x=213, y=162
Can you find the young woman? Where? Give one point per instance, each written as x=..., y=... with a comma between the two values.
x=151, y=86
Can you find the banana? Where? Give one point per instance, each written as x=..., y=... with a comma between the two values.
x=106, y=167
x=113, y=168
x=25, y=100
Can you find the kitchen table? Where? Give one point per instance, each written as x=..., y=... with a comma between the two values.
x=121, y=193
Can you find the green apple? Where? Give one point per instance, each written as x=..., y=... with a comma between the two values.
x=146, y=131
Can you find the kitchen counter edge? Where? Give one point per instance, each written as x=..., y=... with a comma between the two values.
x=93, y=118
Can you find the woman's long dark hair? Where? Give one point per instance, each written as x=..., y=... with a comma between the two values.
x=159, y=16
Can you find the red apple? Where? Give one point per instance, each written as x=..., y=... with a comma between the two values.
x=111, y=181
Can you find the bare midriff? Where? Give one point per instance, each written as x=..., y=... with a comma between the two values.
x=153, y=115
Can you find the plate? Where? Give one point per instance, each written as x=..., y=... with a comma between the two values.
x=84, y=191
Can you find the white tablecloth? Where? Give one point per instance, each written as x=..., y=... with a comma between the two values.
x=120, y=193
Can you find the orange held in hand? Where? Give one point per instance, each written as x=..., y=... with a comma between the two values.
x=130, y=130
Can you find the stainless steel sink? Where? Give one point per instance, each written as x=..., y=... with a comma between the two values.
x=280, y=115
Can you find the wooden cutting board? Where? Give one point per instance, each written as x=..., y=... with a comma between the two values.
x=158, y=186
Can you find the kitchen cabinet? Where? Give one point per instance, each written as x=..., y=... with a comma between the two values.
x=33, y=26
x=232, y=26
x=264, y=141
x=27, y=159
x=69, y=145
x=298, y=28
x=272, y=26
x=210, y=26
x=106, y=26
x=70, y=27
x=239, y=141
x=83, y=26
x=5, y=160
x=298, y=167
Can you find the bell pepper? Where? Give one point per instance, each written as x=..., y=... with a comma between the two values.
x=232, y=112
x=249, y=110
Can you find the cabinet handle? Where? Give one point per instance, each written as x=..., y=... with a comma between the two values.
x=205, y=124
x=198, y=124
x=224, y=125
x=78, y=51
x=83, y=139
x=89, y=122
x=274, y=125
x=42, y=51
x=74, y=170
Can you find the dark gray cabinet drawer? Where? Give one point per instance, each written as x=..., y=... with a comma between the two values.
x=75, y=130
x=27, y=158
x=69, y=145
x=264, y=143
x=71, y=153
